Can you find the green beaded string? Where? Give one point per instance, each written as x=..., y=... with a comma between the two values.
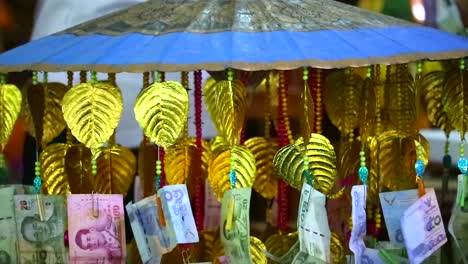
x=369, y=72
x=93, y=76
x=45, y=77
x=363, y=171
x=159, y=77
x=2, y=78
x=305, y=163
x=94, y=167
x=2, y=161
x=37, y=179
x=462, y=161
x=233, y=161
x=34, y=78
x=157, y=180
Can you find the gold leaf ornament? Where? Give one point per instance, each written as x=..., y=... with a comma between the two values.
x=116, y=167
x=343, y=109
x=10, y=107
x=92, y=112
x=226, y=103
x=264, y=151
x=396, y=158
x=256, y=251
x=432, y=89
x=161, y=109
x=42, y=111
x=289, y=163
x=280, y=244
x=455, y=99
x=179, y=160
x=220, y=167
x=53, y=171
x=78, y=169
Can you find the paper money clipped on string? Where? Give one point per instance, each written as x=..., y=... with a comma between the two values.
x=151, y=238
x=235, y=225
x=96, y=228
x=180, y=222
x=8, y=238
x=41, y=240
x=314, y=231
x=394, y=204
x=422, y=228
x=356, y=243
x=458, y=228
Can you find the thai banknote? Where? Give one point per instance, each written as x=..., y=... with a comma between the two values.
x=356, y=243
x=235, y=225
x=151, y=238
x=41, y=234
x=8, y=236
x=422, y=228
x=304, y=258
x=286, y=258
x=312, y=224
x=394, y=204
x=212, y=209
x=458, y=229
x=96, y=228
x=181, y=226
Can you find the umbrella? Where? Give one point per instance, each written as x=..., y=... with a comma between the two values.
x=184, y=35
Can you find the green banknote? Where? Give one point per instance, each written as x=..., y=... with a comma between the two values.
x=235, y=232
x=41, y=240
x=7, y=226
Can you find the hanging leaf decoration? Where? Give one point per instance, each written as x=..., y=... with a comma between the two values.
x=212, y=245
x=337, y=101
x=256, y=251
x=53, y=172
x=337, y=249
x=147, y=156
x=217, y=143
x=373, y=180
x=432, y=91
x=367, y=122
x=396, y=158
x=209, y=97
x=78, y=169
x=252, y=78
x=42, y=111
x=180, y=161
x=264, y=151
x=220, y=166
x=92, y=112
x=161, y=109
x=115, y=170
x=455, y=100
x=279, y=244
x=10, y=107
x=348, y=159
x=226, y=103
x=288, y=163
x=400, y=103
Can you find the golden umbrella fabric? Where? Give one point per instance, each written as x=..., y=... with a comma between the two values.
x=185, y=35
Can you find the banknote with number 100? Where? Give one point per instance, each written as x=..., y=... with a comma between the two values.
x=422, y=228
x=96, y=228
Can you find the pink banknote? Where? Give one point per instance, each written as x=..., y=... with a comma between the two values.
x=96, y=228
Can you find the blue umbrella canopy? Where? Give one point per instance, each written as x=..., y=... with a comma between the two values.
x=184, y=35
